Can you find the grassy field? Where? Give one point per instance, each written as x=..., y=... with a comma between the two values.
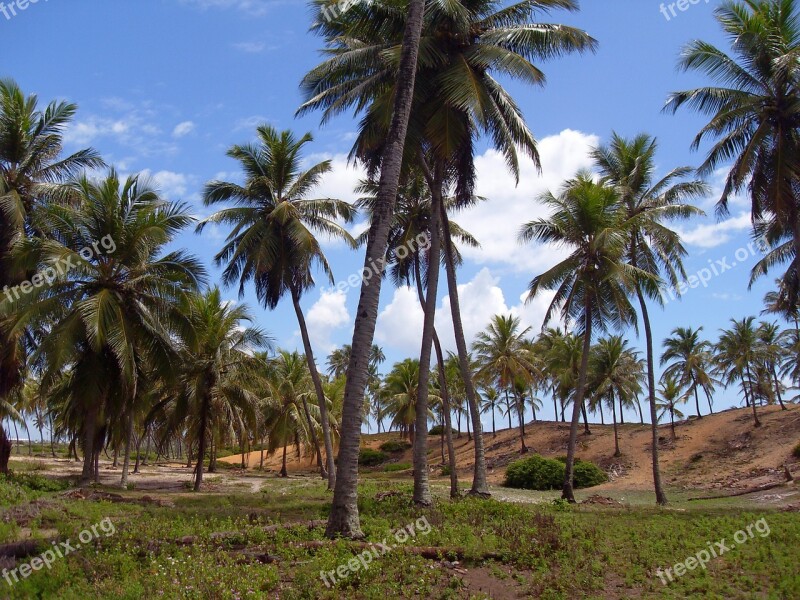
x=464, y=549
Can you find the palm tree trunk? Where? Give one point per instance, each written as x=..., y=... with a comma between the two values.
x=205, y=407
x=422, y=492
x=447, y=425
x=641, y=414
x=555, y=406
x=567, y=492
x=586, y=429
x=89, y=431
x=621, y=413
x=661, y=497
x=616, y=431
x=126, y=461
x=479, y=485
x=494, y=426
x=696, y=398
x=521, y=415
x=284, y=472
x=602, y=417
x=5, y=450
x=778, y=388
x=343, y=520
x=753, y=396
x=672, y=421
x=330, y=472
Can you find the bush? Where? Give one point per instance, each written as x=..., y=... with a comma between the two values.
x=396, y=467
x=439, y=430
x=11, y=493
x=38, y=483
x=371, y=458
x=796, y=451
x=395, y=446
x=539, y=473
x=445, y=470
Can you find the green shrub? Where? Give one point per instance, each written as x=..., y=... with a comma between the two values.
x=38, y=483
x=445, y=470
x=11, y=493
x=438, y=430
x=396, y=467
x=587, y=474
x=796, y=451
x=371, y=458
x=395, y=446
x=539, y=473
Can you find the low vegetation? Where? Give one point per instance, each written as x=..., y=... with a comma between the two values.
x=394, y=446
x=371, y=458
x=539, y=473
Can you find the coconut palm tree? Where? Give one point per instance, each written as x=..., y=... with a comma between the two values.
x=672, y=394
x=689, y=360
x=592, y=285
x=616, y=373
x=401, y=389
x=629, y=165
x=503, y=357
x=771, y=350
x=460, y=100
x=109, y=316
x=273, y=242
x=31, y=169
x=737, y=354
x=290, y=416
x=755, y=121
x=490, y=397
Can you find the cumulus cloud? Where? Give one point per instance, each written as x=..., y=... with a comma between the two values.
x=327, y=315
x=711, y=235
x=182, y=129
x=400, y=322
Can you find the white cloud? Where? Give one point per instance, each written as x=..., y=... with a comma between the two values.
x=249, y=124
x=173, y=186
x=255, y=8
x=182, y=129
x=327, y=314
x=496, y=222
x=400, y=324
x=711, y=235
x=250, y=47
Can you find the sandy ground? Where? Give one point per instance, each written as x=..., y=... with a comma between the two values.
x=720, y=451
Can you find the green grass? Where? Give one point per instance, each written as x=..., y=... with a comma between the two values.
x=550, y=550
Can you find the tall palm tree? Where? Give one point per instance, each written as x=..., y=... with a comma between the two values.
x=401, y=406
x=737, y=354
x=771, y=350
x=689, y=360
x=490, y=397
x=109, y=317
x=755, y=121
x=503, y=357
x=273, y=241
x=629, y=166
x=31, y=167
x=616, y=373
x=592, y=285
x=671, y=395
x=466, y=44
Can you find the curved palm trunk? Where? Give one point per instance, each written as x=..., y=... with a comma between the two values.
x=555, y=405
x=567, y=492
x=447, y=425
x=617, y=451
x=661, y=497
x=586, y=430
x=696, y=398
x=330, y=473
x=778, y=388
x=753, y=397
x=422, y=492
x=343, y=519
x=479, y=485
x=641, y=414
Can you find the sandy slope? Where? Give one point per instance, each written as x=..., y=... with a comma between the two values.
x=723, y=450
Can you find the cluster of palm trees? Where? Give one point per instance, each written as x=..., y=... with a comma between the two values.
x=134, y=339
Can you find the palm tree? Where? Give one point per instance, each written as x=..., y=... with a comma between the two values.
x=616, y=374
x=109, y=317
x=490, y=397
x=671, y=393
x=771, y=350
x=401, y=389
x=689, y=360
x=31, y=167
x=273, y=239
x=592, y=285
x=755, y=120
x=460, y=100
x=737, y=355
x=503, y=357
x=289, y=415
x=629, y=166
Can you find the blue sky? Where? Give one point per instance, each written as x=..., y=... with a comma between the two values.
x=166, y=86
